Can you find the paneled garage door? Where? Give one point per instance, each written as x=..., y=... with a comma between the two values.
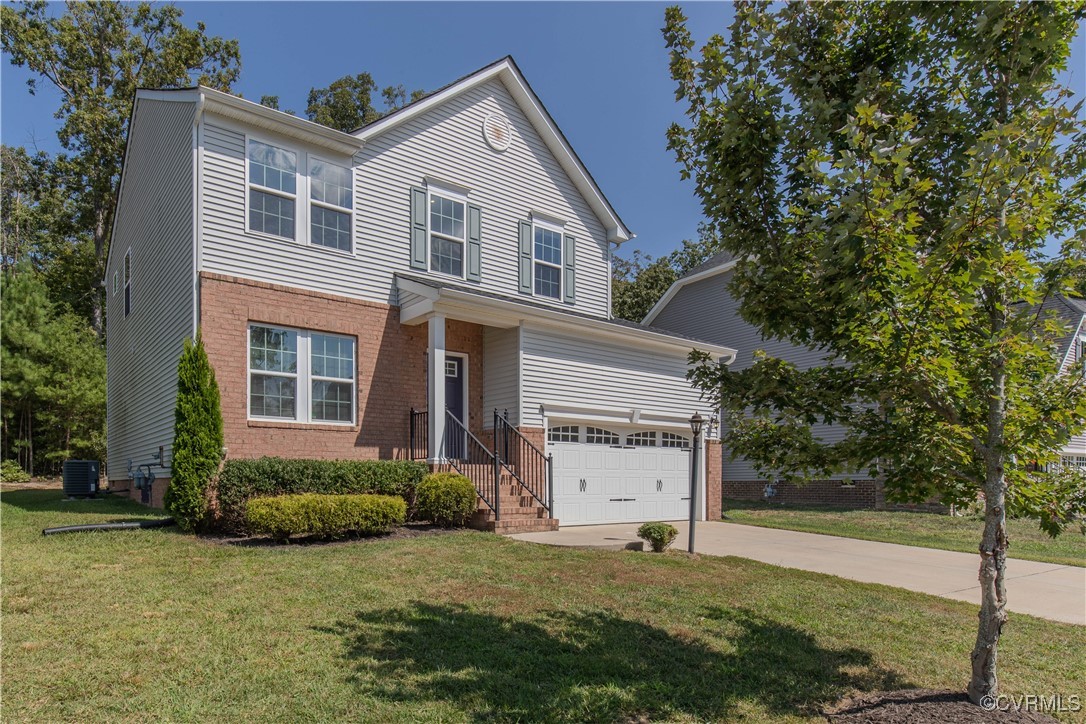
x=609, y=475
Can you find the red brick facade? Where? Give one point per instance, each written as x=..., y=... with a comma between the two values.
x=391, y=368
x=713, y=482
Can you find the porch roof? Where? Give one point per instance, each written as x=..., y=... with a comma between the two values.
x=428, y=296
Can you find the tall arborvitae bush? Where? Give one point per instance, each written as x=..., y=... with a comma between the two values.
x=197, y=437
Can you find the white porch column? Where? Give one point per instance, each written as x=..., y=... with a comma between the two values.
x=435, y=397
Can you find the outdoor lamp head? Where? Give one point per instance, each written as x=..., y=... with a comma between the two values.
x=696, y=423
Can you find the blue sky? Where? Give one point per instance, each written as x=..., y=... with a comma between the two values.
x=600, y=68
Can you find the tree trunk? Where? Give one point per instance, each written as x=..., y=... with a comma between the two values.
x=993, y=589
x=984, y=684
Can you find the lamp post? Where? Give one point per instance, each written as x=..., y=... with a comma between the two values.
x=696, y=423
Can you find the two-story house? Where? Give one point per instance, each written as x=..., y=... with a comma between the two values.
x=453, y=256
x=701, y=304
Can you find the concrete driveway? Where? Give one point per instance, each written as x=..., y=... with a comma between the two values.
x=1046, y=590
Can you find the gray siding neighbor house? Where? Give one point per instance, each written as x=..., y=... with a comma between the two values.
x=700, y=305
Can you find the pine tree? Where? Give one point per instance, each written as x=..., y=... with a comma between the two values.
x=197, y=437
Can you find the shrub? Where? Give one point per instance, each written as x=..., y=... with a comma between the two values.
x=324, y=516
x=12, y=472
x=659, y=535
x=241, y=480
x=197, y=437
x=447, y=499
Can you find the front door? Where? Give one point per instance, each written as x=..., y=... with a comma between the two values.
x=455, y=442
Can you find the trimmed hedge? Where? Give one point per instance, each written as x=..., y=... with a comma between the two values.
x=242, y=480
x=447, y=499
x=325, y=516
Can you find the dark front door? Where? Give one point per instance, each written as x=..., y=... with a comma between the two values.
x=455, y=442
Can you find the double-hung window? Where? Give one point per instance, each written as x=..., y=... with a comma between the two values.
x=273, y=189
x=447, y=233
x=546, y=261
x=301, y=376
x=330, y=189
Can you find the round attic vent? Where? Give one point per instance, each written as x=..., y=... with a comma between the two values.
x=497, y=132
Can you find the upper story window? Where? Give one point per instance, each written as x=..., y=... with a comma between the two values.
x=330, y=191
x=547, y=261
x=447, y=233
x=300, y=376
x=127, y=282
x=273, y=185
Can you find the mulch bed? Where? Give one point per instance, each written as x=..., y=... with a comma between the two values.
x=409, y=530
x=923, y=706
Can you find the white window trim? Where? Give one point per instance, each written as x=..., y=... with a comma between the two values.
x=560, y=229
x=302, y=197
x=303, y=411
x=323, y=204
x=299, y=161
x=116, y=282
x=434, y=189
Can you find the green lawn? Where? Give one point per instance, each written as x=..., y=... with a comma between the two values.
x=141, y=625
x=928, y=530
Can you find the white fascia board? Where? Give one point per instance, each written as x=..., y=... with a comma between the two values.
x=507, y=313
x=680, y=283
x=254, y=114
x=560, y=412
x=541, y=121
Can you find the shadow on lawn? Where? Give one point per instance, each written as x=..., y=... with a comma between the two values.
x=45, y=500
x=597, y=666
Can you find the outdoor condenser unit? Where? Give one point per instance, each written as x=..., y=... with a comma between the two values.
x=80, y=478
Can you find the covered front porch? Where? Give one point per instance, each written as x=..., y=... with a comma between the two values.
x=555, y=414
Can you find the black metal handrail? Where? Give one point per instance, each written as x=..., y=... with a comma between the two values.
x=471, y=458
x=418, y=447
x=529, y=466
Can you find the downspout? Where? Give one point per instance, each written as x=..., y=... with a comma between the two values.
x=197, y=208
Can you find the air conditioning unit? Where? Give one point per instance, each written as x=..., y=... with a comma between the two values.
x=80, y=478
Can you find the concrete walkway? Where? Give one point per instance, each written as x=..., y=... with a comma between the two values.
x=1046, y=590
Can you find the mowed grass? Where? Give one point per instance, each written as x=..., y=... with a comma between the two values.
x=928, y=530
x=156, y=625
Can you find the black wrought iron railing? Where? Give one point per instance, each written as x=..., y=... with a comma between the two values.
x=530, y=466
x=471, y=458
x=418, y=446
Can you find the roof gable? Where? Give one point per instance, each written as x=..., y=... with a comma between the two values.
x=509, y=74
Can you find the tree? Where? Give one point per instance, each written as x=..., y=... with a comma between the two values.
x=197, y=437
x=53, y=388
x=638, y=283
x=890, y=174
x=347, y=103
x=97, y=55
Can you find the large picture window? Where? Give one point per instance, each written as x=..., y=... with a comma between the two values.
x=301, y=376
x=547, y=261
x=273, y=182
x=447, y=234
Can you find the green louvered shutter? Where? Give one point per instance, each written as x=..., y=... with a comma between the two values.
x=418, y=229
x=525, y=257
x=475, y=244
x=569, y=269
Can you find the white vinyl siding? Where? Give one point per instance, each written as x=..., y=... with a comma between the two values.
x=559, y=368
x=155, y=222
x=500, y=383
x=445, y=143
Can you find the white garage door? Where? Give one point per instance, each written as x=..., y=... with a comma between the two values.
x=609, y=475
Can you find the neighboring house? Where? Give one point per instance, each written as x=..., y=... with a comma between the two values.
x=454, y=256
x=700, y=304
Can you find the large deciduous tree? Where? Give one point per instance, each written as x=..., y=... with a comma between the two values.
x=347, y=103
x=96, y=55
x=895, y=177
